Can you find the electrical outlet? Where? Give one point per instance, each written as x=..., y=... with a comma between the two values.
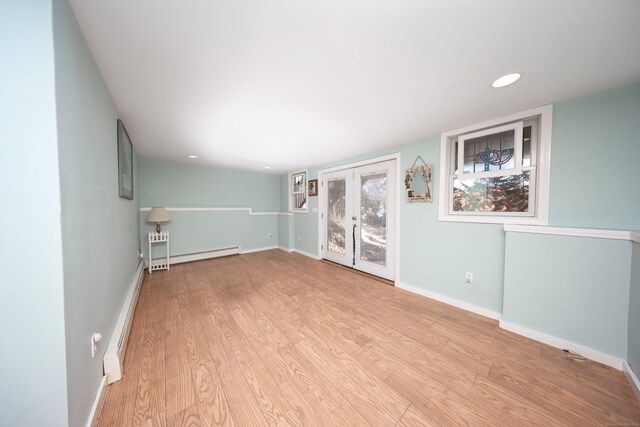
x=468, y=277
x=269, y=236
x=298, y=237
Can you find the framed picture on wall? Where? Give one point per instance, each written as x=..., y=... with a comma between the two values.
x=125, y=163
x=313, y=187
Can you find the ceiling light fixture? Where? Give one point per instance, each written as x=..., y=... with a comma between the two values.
x=506, y=80
x=267, y=167
x=192, y=156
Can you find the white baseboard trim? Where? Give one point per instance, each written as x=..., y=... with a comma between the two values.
x=563, y=344
x=305, y=253
x=451, y=301
x=633, y=379
x=282, y=248
x=248, y=251
x=116, y=350
x=97, y=403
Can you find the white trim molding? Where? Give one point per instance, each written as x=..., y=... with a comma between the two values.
x=573, y=232
x=635, y=237
x=563, y=344
x=248, y=210
x=633, y=379
x=451, y=301
x=282, y=248
x=249, y=251
x=97, y=403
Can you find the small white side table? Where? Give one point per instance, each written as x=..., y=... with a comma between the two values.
x=161, y=237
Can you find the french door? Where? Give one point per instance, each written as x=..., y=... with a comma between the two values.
x=358, y=218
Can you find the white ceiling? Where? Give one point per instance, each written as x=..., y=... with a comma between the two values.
x=296, y=83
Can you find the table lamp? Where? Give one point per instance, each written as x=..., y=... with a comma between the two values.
x=158, y=215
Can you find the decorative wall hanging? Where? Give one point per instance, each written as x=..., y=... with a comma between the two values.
x=417, y=182
x=125, y=163
x=313, y=187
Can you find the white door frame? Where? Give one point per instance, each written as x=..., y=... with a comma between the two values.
x=323, y=208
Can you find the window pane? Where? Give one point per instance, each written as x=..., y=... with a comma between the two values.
x=299, y=201
x=336, y=217
x=299, y=182
x=526, y=146
x=373, y=218
x=500, y=194
x=489, y=153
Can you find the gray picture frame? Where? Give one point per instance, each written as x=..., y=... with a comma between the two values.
x=125, y=163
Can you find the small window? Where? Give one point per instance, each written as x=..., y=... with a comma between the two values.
x=497, y=171
x=298, y=191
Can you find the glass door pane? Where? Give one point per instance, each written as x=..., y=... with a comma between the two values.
x=373, y=218
x=336, y=216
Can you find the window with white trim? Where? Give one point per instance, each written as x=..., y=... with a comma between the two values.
x=497, y=171
x=298, y=191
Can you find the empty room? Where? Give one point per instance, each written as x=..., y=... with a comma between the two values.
x=320, y=213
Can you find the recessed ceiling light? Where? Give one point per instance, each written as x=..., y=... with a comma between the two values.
x=192, y=156
x=267, y=167
x=506, y=80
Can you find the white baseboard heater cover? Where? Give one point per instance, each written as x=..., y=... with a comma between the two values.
x=114, y=356
x=198, y=256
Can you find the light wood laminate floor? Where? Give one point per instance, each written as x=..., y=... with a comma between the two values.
x=278, y=338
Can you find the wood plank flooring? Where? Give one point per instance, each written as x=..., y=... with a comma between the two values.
x=273, y=338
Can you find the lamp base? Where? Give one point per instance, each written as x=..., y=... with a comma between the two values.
x=157, y=227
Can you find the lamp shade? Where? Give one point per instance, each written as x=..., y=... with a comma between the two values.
x=158, y=215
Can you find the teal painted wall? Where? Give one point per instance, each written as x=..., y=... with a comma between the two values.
x=435, y=255
x=32, y=344
x=594, y=161
x=633, y=354
x=99, y=229
x=285, y=231
x=193, y=232
x=173, y=184
x=284, y=189
x=573, y=288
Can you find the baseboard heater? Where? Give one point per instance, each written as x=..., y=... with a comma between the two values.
x=177, y=259
x=114, y=356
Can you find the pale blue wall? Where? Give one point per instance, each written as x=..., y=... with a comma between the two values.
x=99, y=229
x=285, y=231
x=173, y=184
x=634, y=312
x=32, y=345
x=285, y=222
x=435, y=255
x=284, y=188
x=594, y=161
x=574, y=288
x=193, y=232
